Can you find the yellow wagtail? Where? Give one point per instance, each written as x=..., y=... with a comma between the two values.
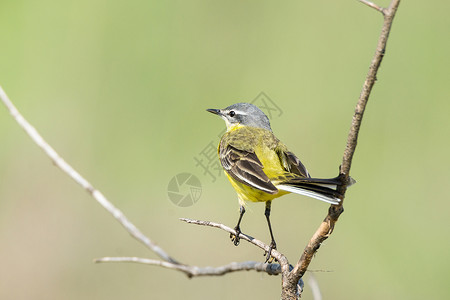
x=260, y=167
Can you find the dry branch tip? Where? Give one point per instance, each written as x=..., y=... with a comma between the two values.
x=374, y=6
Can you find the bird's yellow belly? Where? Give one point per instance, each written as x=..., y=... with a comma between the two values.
x=247, y=193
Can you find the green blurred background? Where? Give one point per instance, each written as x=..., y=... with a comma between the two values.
x=120, y=89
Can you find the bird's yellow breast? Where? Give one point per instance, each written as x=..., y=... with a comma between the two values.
x=263, y=143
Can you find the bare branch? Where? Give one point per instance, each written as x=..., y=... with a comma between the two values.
x=194, y=271
x=277, y=255
x=322, y=233
x=72, y=173
x=374, y=6
x=314, y=285
x=371, y=77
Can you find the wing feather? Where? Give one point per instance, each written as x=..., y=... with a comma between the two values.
x=245, y=167
x=290, y=162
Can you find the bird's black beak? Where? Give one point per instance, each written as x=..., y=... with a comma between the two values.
x=214, y=111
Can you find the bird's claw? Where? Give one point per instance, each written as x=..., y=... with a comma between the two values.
x=235, y=237
x=268, y=254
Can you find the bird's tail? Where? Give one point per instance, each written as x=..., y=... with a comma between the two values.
x=318, y=188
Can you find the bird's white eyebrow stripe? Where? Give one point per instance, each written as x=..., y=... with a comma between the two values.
x=240, y=112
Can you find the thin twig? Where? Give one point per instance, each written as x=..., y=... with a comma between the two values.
x=374, y=6
x=194, y=271
x=277, y=255
x=314, y=285
x=371, y=77
x=72, y=173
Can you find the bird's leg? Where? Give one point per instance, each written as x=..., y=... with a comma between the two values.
x=272, y=245
x=235, y=238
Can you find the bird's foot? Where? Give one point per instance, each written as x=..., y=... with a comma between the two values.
x=235, y=237
x=268, y=254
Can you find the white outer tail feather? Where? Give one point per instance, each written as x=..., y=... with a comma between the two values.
x=312, y=194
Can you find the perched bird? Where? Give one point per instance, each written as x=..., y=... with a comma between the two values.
x=260, y=167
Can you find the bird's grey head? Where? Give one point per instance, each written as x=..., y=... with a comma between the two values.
x=245, y=114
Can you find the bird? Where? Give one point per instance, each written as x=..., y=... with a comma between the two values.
x=261, y=168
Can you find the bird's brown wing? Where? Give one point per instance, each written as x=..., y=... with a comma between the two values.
x=290, y=162
x=245, y=167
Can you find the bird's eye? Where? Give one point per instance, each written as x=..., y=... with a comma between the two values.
x=231, y=113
